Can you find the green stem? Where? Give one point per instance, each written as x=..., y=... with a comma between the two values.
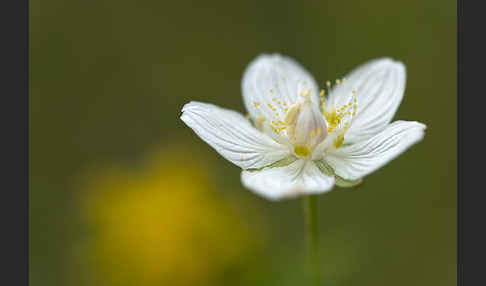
x=311, y=214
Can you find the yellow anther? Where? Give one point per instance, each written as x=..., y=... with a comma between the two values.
x=322, y=92
x=270, y=106
x=276, y=114
x=319, y=131
x=274, y=99
x=339, y=141
x=328, y=83
x=275, y=129
x=256, y=103
x=337, y=81
x=354, y=91
x=312, y=133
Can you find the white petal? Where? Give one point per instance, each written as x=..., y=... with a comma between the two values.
x=379, y=86
x=300, y=177
x=360, y=159
x=277, y=81
x=232, y=135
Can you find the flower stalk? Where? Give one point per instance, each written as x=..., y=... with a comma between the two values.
x=312, y=225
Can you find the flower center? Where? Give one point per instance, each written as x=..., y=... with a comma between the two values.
x=303, y=124
x=306, y=127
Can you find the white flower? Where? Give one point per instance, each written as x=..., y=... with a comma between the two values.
x=297, y=141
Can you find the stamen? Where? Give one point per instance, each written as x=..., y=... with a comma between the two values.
x=259, y=122
x=275, y=129
x=339, y=119
x=339, y=141
x=292, y=113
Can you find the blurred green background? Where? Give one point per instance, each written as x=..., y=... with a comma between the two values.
x=123, y=193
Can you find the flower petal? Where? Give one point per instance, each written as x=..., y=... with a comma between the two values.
x=360, y=159
x=300, y=177
x=379, y=85
x=271, y=83
x=232, y=136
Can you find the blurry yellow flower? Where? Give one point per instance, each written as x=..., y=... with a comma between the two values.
x=161, y=225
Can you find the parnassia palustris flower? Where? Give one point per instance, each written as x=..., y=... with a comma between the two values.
x=298, y=140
